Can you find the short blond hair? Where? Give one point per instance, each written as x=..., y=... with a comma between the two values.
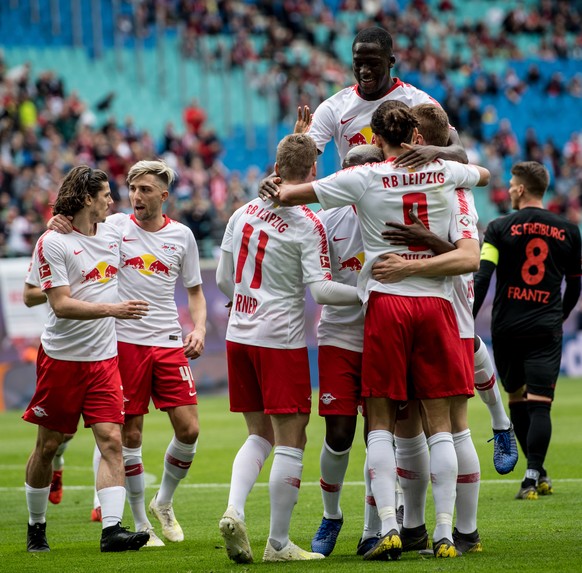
x=159, y=168
x=296, y=154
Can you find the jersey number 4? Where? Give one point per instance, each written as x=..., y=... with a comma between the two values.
x=533, y=269
x=244, y=253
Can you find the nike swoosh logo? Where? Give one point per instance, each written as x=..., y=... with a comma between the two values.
x=335, y=239
x=344, y=121
x=77, y=252
x=191, y=393
x=126, y=240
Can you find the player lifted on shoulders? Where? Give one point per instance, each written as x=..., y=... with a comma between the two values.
x=420, y=304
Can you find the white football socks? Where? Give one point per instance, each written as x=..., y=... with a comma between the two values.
x=246, y=468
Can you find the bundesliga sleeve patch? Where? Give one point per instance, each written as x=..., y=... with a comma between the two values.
x=465, y=223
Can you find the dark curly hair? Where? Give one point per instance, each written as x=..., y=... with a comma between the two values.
x=374, y=35
x=80, y=182
x=394, y=121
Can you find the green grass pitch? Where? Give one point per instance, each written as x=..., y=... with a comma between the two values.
x=543, y=535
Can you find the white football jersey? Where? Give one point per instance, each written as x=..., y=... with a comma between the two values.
x=343, y=326
x=151, y=263
x=382, y=192
x=345, y=117
x=276, y=251
x=463, y=299
x=89, y=266
x=463, y=285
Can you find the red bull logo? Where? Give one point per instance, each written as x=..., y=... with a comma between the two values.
x=352, y=264
x=147, y=265
x=102, y=272
x=361, y=138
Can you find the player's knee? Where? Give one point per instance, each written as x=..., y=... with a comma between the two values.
x=47, y=449
x=188, y=434
x=339, y=437
x=132, y=437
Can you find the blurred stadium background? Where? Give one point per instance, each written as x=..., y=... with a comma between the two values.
x=211, y=86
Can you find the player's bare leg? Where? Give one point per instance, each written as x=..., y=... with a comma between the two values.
x=37, y=486
x=56, y=494
x=111, y=491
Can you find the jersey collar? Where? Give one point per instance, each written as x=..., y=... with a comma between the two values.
x=166, y=221
x=397, y=83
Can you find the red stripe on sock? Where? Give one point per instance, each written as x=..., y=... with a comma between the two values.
x=293, y=481
x=178, y=463
x=370, y=500
x=330, y=487
x=469, y=478
x=407, y=474
x=486, y=385
x=133, y=470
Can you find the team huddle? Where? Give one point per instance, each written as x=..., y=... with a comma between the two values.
x=391, y=257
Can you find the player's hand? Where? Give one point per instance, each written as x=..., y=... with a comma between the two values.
x=415, y=234
x=60, y=224
x=130, y=309
x=416, y=155
x=303, y=119
x=229, y=306
x=269, y=188
x=194, y=344
x=391, y=268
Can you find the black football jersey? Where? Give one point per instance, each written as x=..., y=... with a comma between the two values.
x=537, y=249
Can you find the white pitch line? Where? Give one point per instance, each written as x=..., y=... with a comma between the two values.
x=265, y=484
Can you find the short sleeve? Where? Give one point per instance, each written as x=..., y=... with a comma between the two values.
x=226, y=244
x=343, y=188
x=466, y=176
x=32, y=276
x=463, y=224
x=52, y=259
x=190, y=271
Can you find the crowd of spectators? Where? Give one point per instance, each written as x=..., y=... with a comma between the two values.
x=46, y=129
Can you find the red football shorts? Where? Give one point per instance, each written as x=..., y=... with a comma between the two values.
x=269, y=380
x=340, y=381
x=412, y=349
x=162, y=374
x=468, y=345
x=65, y=390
